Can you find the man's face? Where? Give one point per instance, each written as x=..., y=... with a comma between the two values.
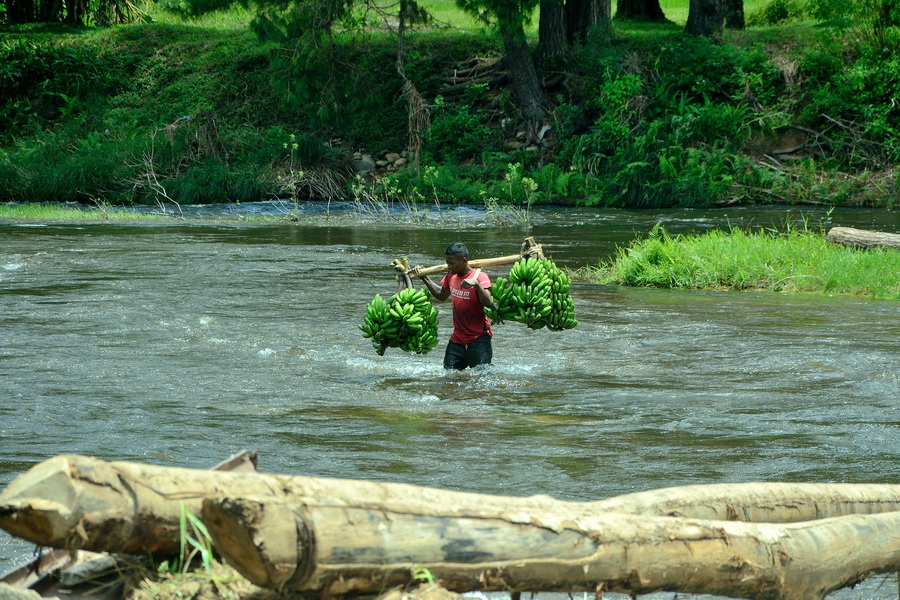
x=457, y=265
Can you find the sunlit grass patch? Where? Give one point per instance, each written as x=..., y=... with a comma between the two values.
x=63, y=212
x=234, y=18
x=792, y=261
x=447, y=14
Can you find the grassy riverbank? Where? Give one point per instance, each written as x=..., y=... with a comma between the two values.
x=647, y=117
x=796, y=260
x=60, y=212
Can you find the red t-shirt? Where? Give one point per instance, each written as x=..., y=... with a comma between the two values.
x=469, y=320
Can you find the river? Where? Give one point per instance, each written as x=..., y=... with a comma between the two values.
x=179, y=342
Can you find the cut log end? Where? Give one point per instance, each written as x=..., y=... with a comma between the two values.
x=34, y=519
x=254, y=538
x=37, y=506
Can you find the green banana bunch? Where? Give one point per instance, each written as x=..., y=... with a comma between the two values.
x=562, y=312
x=504, y=307
x=536, y=294
x=407, y=321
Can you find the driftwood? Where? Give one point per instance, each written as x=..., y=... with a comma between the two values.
x=78, y=575
x=530, y=248
x=77, y=502
x=83, y=502
x=299, y=547
x=472, y=72
x=304, y=534
x=862, y=238
x=84, y=575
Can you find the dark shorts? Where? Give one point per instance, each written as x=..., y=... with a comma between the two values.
x=460, y=356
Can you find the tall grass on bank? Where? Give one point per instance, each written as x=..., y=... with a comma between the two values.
x=795, y=260
x=62, y=212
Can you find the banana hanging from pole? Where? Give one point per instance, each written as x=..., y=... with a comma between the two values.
x=407, y=321
x=535, y=294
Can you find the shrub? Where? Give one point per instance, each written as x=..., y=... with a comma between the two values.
x=779, y=12
x=457, y=134
x=43, y=82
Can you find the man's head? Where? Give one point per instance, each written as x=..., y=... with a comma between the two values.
x=457, y=249
x=457, y=256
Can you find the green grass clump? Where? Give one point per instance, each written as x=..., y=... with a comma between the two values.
x=61, y=212
x=796, y=260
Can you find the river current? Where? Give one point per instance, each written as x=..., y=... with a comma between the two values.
x=179, y=342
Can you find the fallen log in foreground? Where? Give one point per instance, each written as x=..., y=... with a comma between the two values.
x=71, y=501
x=298, y=547
x=305, y=534
x=862, y=238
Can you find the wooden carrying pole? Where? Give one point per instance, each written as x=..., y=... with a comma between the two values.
x=530, y=248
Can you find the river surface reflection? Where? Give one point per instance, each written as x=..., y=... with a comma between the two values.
x=181, y=342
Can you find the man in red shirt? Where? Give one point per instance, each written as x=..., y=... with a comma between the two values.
x=470, y=291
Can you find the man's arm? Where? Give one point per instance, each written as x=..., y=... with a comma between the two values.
x=438, y=291
x=484, y=294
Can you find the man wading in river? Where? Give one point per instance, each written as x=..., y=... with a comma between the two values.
x=470, y=291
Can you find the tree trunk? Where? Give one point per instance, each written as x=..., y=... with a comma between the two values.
x=734, y=14
x=19, y=12
x=551, y=31
x=705, y=18
x=302, y=545
x=862, y=238
x=81, y=502
x=418, y=116
x=52, y=11
x=581, y=15
x=640, y=10
x=523, y=74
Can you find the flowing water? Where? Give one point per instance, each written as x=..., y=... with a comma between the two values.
x=181, y=342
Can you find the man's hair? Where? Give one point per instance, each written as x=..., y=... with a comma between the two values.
x=457, y=249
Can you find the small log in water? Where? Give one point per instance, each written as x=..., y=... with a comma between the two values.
x=862, y=238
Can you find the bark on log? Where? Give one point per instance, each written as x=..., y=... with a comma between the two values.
x=74, y=502
x=757, y=502
x=82, y=502
x=861, y=238
x=300, y=547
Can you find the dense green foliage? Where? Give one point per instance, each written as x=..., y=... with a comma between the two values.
x=96, y=12
x=796, y=260
x=158, y=112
